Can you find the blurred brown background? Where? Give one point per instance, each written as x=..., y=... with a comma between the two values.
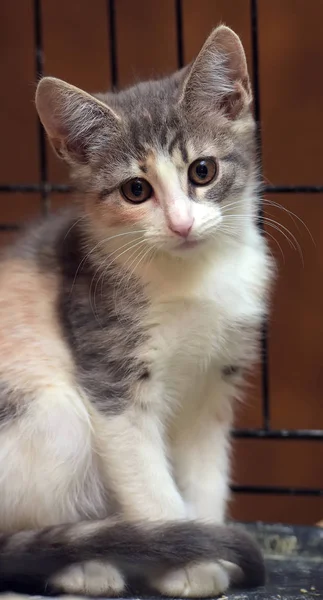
x=76, y=38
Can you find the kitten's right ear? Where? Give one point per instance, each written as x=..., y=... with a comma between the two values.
x=218, y=78
x=74, y=120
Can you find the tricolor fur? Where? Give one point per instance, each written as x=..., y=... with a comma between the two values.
x=125, y=332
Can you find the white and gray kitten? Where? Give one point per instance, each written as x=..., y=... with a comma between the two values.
x=126, y=326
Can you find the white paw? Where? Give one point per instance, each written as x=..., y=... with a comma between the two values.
x=91, y=578
x=197, y=581
x=236, y=575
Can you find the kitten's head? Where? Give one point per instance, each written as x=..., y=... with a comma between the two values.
x=171, y=158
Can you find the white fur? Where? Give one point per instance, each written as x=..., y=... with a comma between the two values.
x=167, y=455
x=197, y=581
x=48, y=471
x=91, y=578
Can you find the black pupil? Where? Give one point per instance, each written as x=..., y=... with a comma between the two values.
x=202, y=170
x=136, y=189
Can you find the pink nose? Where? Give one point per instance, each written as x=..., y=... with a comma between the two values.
x=182, y=228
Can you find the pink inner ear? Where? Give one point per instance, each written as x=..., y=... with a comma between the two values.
x=232, y=104
x=231, y=47
x=78, y=149
x=57, y=131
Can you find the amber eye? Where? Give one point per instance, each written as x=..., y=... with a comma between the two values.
x=202, y=171
x=137, y=190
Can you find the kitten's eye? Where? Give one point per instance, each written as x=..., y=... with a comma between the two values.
x=202, y=171
x=136, y=190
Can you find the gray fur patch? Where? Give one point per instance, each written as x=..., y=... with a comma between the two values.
x=178, y=142
x=101, y=322
x=230, y=370
x=11, y=404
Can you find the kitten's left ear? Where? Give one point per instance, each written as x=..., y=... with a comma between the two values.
x=77, y=124
x=219, y=78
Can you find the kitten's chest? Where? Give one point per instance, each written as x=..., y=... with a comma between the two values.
x=188, y=332
x=209, y=323
x=185, y=333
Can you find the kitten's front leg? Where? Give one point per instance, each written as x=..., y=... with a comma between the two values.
x=201, y=449
x=136, y=467
x=201, y=467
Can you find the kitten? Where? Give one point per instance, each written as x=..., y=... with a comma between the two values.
x=126, y=325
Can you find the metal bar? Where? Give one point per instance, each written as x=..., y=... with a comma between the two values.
x=39, y=67
x=9, y=227
x=179, y=28
x=279, y=434
x=265, y=377
x=293, y=189
x=113, y=43
x=31, y=188
x=53, y=187
x=276, y=490
x=255, y=67
x=256, y=88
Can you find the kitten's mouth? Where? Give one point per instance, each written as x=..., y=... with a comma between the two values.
x=187, y=244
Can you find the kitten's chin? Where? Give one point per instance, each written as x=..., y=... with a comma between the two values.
x=188, y=248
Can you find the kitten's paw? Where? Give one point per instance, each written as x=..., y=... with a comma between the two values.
x=197, y=581
x=234, y=572
x=92, y=578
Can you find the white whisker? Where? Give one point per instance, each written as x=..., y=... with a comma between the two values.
x=291, y=214
x=86, y=257
x=284, y=231
x=105, y=270
x=73, y=225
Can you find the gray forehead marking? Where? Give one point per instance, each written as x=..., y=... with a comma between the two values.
x=173, y=143
x=179, y=142
x=183, y=150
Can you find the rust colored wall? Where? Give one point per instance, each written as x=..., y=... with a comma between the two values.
x=77, y=45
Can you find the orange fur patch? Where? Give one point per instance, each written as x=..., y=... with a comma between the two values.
x=30, y=333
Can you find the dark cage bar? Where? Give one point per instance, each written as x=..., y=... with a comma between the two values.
x=45, y=187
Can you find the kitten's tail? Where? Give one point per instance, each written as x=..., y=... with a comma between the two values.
x=32, y=557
